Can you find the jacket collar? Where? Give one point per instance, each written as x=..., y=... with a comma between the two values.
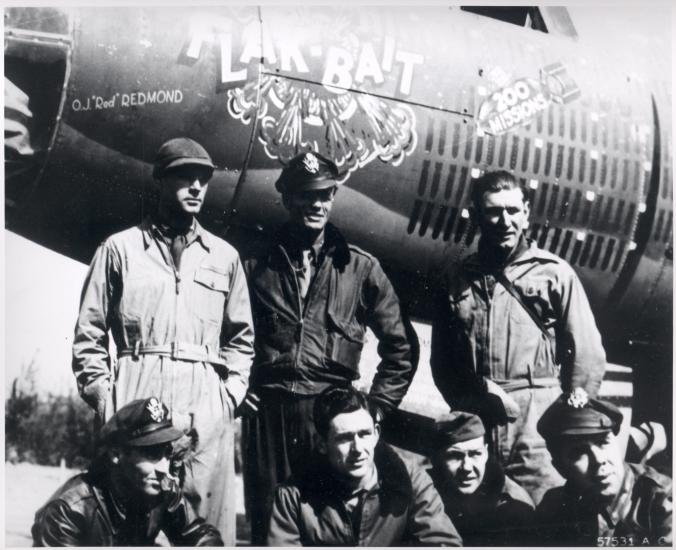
x=335, y=246
x=148, y=229
x=530, y=254
x=614, y=512
x=393, y=478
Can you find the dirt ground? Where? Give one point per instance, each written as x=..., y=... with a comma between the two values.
x=28, y=486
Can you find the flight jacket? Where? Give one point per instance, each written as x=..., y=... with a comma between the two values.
x=84, y=512
x=403, y=508
x=304, y=346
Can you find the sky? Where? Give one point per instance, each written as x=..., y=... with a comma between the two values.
x=42, y=293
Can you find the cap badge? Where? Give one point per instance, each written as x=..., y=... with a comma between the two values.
x=311, y=163
x=578, y=398
x=155, y=409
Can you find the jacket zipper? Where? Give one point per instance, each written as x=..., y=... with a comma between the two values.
x=300, y=327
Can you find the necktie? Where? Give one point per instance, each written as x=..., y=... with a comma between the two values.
x=305, y=274
x=178, y=244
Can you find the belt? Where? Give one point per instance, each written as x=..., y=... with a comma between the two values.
x=176, y=350
x=523, y=383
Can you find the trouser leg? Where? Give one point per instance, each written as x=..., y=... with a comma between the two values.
x=277, y=443
x=520, y=448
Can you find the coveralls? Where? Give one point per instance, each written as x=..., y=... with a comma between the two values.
x=480, y=331
x=183, y=336
x=306, y=345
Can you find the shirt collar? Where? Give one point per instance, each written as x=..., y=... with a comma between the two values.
x=151, y=231
x=618, y=508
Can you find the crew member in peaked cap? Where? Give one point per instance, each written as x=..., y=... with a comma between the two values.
x=140, y=423
x=180, y=152
x=307, y=171
x=313, y=295
x=577, y=414
x=604, y=498
x=129, y=493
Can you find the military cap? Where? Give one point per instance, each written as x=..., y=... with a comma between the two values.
x=141, y=423
x=179, y=152
x=458, y=426
x=578, y=414
x=308, y=171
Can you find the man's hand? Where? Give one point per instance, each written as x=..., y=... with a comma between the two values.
x=503, y=407
x=249, y=406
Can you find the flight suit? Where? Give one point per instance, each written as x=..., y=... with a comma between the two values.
x=640, y=515
x=184, y=336
x=304, y=346
x=480, y=331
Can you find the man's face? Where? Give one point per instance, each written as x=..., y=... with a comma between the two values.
x=350, y=444
x=309, y=209
x=183, y=189
x=143, y=468
x=465, y=464
x=593, y=464
x=502, y=218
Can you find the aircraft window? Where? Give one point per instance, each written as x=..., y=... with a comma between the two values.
x=523, y=16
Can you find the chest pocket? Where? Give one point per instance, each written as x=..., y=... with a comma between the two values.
x=535, y=294
x=210, y=292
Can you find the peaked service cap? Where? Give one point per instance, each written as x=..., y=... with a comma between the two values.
x=307, y=171
x=141, y=423
x=578, y=414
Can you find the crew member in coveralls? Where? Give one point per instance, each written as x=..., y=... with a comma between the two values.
x=175, y=299
x=517, y=315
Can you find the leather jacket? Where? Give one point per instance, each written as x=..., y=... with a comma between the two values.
x=304, y=346
x=403, y=508
x=84, y=512
x=640, y=515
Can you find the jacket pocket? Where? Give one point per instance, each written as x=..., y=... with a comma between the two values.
x=209, y=293
x=345, y=341
x=274, y=337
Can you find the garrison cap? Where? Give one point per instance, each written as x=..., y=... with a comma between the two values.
x=179, y=152
x=458, y=426
x=141, y=423
x=308, y=171
x=578, y=414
